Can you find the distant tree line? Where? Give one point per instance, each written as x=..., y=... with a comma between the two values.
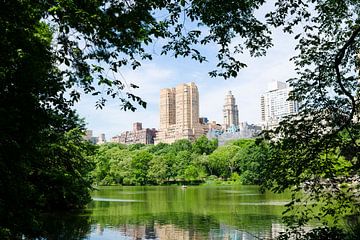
x=182, y=161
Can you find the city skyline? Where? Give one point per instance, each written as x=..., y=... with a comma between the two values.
x=165, y=72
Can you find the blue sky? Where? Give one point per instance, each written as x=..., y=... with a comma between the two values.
x=165, y=72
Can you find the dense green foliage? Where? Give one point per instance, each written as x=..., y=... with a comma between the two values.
x=202, y=160
x=43, y=164
x=317, y=152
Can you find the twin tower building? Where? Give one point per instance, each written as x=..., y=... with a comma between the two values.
x=179, y=114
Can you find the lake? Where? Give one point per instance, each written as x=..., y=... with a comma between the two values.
x=171, y=213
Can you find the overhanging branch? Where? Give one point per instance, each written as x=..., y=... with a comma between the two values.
x=339, y=56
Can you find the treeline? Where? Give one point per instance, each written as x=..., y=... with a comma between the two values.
x=203, y=160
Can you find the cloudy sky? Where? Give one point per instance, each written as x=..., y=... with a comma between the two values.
x=166, y=72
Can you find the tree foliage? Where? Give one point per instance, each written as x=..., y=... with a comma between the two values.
x=317, y=151
x=93, y=38
x=151, y=165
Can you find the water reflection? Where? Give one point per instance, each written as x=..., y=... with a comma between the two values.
x=69, y=226
x=171, y=213
x=173, y=232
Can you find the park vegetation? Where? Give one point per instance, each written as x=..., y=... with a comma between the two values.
x=181, y=162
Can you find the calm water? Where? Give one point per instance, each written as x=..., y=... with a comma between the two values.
x=172, y=213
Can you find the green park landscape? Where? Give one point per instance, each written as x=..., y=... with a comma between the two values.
x=297, y=181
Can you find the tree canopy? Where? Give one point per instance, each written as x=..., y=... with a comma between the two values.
x=181, y=162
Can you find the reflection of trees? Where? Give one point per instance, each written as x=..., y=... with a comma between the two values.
x=196, y=211
x=64, y=226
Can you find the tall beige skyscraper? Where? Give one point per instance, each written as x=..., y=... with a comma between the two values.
x=167, y=107
x=231, y=112
x=179, y=113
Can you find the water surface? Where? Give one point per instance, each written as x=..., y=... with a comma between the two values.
x=196, y=212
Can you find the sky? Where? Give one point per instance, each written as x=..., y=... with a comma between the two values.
x=167, y=72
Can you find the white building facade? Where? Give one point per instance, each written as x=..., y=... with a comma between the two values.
x=275, y=106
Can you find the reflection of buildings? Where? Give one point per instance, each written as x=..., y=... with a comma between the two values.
x=274, y=105
x=135, y=232
x=154, y=230
x=99, y=229
x=171, y=232
x=137, y=135
x=179, y=114
x=158, y=231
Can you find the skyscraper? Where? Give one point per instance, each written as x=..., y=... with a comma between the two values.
x=231, y=112
x=274, y=105
x=167, y=107
x=179, y=113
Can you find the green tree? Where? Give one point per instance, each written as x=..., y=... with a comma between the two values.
x=203, y=145
x=251, y=159
x=181, y=145
x=139, y=167
x=67, y=165
x=191, y=173
x=136, y=146
x=160, y=148
x=158, y=169
x=42, y=154
x=120, y=166
x=222, y=161
x=180, y=163
x=308, y=151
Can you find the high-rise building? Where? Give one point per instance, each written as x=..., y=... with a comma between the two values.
x=94, y=140
x=179, y=114
x=231, y=112
x=167, y=107
x=101, y=139
x=275, y=106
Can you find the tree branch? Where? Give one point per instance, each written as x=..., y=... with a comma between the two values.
x=338, y=59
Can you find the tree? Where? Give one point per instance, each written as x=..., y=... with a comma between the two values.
x=139, y=167
x=112, y=164
x=158, y=170
x=318, y=150
x=41, y=145
x=203, y=145
x=222, y=161
x=251, y=158
x=181, y=145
